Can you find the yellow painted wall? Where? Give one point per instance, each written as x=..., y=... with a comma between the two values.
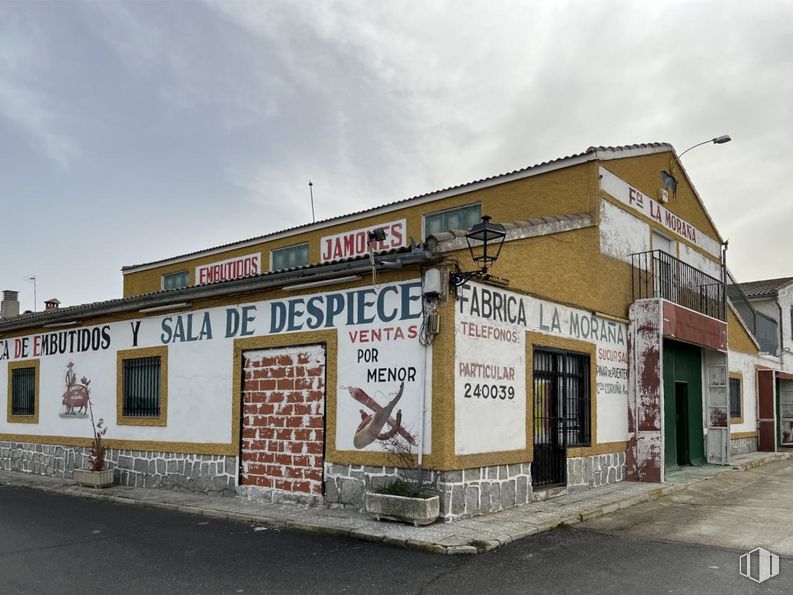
x=737, y=337
x=568, y=268
x=570, y=190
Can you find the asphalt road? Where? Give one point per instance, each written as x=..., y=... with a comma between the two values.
x=61, y=544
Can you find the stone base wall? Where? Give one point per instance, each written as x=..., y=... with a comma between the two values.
x=462, y=493
x=207, y=474
x=740, y=446
x=584, y=473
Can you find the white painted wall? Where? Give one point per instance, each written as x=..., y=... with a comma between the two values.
x=621, y=233
x=746, y=365
x=766, y=306
x=785, y=298
x=200, y=370
x=639, y=202
x=698, y=261
x=490, y=425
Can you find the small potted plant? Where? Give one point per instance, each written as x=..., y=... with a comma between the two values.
x=97, y=476
x=409, y=497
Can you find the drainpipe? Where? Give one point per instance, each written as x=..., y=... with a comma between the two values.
x=780, y=349
x=427, y=387
x=724, y=278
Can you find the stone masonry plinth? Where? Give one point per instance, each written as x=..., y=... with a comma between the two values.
x=207, y=474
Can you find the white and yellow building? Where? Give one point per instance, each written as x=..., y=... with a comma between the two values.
x=280, y=367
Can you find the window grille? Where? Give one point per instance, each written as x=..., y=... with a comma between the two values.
x=141, y=384
x=23, y=381
x=735, y=397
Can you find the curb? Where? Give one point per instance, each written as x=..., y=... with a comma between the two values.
x=473, y=547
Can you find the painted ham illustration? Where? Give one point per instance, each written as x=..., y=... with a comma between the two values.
x=372, y=424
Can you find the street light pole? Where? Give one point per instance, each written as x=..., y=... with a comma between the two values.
x=719, y=140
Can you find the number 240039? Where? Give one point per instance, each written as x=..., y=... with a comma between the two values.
x=489, y=391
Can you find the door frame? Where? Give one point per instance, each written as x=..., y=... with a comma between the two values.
x=766, y=411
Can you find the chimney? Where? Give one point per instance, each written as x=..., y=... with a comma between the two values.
x=52, y=304
x=9, y=307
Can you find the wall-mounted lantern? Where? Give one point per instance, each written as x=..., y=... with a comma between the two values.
x=485, y=240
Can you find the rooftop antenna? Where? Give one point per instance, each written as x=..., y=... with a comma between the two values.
x=311, y=192
x=35, y=299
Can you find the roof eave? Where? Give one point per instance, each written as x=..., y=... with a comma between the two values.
x=270, y=281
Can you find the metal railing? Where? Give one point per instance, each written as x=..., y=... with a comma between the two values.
x=657, y=274
x=741, y=303
x=763, y=327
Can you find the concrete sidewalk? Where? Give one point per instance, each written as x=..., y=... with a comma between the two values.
x=466, y=536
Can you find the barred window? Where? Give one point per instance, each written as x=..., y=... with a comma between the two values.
x=735, y=398
x=23, y=391
x=141, y=387
x=561, y=381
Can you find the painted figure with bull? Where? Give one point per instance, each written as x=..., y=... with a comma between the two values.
x=76, y=396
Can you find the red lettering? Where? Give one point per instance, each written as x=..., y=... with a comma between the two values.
x=349, y=245
x=360, y=243
x=396, y=235
x=326, y=250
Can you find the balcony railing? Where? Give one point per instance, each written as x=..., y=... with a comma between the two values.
x=657, y=274
x=763, y=327
x=741, y=303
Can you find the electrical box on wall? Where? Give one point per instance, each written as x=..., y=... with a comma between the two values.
x=663, y=195
x=432, y=282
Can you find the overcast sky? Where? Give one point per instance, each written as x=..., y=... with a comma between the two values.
x=133, y=131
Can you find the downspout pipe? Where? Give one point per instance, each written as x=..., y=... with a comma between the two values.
x=780, y=348
x=724, y=247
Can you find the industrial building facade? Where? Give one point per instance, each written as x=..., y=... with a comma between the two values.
x=285, y=367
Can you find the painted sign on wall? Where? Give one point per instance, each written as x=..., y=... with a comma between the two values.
x=636, y=200
x=354, y=243
x=379, y=358
x=380, y=385
x=226, y=270
x=490, y=329
x=490, y=373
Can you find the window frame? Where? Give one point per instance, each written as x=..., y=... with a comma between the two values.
x=23, y=419
x=129, y=354
x=735, y=377
x=173, y=274
x=290, y=247
x=445, y=212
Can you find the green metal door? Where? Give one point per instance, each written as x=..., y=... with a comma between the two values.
x=682, y=370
